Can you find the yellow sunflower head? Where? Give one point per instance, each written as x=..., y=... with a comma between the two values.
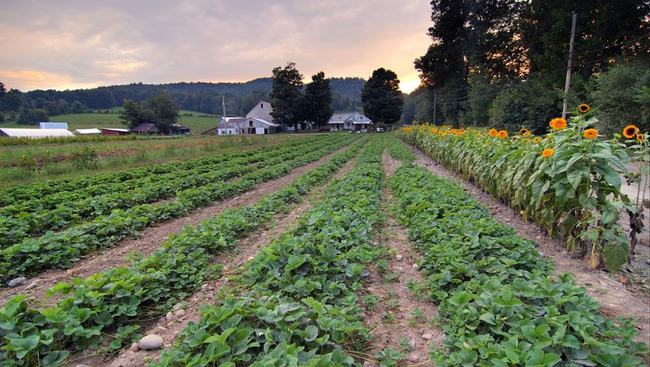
x=502, y=134
x=558, y=123
x=548, y=152
x=493, y=132
x=584, y=108
x=590, y=134
x=630, y=130
x=640, y=137
x=537, y=140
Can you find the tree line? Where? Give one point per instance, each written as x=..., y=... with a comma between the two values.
x=503, y=62
x=295, y=103
x=199, y=97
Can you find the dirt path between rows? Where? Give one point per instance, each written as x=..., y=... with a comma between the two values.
x=170, y=326
x=615, y=300
x=400, y=319
x=148, y=240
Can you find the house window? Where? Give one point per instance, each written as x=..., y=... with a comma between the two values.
x=250, y=123
x=261, y=105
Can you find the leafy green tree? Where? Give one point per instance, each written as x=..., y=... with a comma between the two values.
x=316, y=104
x=621, y=99
x=32, y=116
x=77, y=107
x=163, y=111
x=3, y=90
x=286, y=95
x=382, y=98
x=133, y=114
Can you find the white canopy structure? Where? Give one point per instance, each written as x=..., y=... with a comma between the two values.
x=35, y=133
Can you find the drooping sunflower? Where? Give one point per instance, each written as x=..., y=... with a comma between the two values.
x=584, y=108
x=590, y=134
x=493, y=132
x=558, y=123
x=502, y=134
x=630, y=130
x=537, y=140
x=548, y=152
x=524, y=132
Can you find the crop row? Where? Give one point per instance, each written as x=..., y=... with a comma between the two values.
x=94, y=184
x=53, y=192
x=114, y=301
x=499, y=303
x=62, y=249
x=568, y=181
x=298, y=304
x=33, y=218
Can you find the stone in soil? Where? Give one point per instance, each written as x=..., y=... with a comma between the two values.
x=427, y=336
x=17, y=281
x=151, y=341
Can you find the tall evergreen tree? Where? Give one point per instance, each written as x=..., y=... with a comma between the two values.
x=382, y=98
x=317, y=101
x=286, y=95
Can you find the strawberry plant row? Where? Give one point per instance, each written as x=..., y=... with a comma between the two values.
x=49, y=194
x=93, y=184
x=499, y=303
x=298, y=305
x=31, y=219
x=116, y=300
x=62, y=249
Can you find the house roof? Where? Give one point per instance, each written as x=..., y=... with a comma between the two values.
x=88, y=131
x=354, y=117
x=230, y=122
x=262, y=110
x=118, y=129
x=35, y=133
x=145, y=127
x=53, y=125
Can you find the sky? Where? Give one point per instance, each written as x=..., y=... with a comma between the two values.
x=69, y=44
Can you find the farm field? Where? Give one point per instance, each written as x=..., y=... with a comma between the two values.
x=310, y=250
x=23, y=164
x=198, y=122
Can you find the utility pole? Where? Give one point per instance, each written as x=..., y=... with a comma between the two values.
x=435, y=99
x=223, y=106
x=567, y=82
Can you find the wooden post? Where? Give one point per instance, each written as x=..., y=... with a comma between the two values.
x=435, y=97
x=567, y=82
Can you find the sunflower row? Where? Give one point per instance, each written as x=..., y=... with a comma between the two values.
x=62, y=249
x=298, y=304
x=114, y=302
x=497, y=301
x=568, y=181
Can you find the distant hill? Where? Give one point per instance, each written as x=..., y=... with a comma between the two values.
x=197, y=96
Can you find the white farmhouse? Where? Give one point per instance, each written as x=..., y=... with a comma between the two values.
x=348, y=121
x=258, y=121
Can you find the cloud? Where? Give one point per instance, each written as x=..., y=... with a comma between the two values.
x=91, y=42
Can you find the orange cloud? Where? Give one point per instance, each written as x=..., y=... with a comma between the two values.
x=38, y=79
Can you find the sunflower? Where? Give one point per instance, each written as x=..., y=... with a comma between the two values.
x=590, y=134
x=537, y=140
x=502, y=134
x=548, y=152
x=640, y=137
x=492, y=132
x=630, y=130
x=584, y=108
x=525, y=132
x=558, y=123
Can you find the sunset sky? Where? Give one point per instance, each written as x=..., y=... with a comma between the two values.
x=71, y=44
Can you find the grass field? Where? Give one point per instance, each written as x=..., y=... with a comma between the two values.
x=198, y=122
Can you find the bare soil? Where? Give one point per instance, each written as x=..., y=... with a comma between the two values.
x=401, y=320
x=614, y=298
x=148, y=240
x=210, y=292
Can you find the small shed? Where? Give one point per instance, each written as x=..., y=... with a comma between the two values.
x=91, y=131
x=53, y=125
x=114, y=131
x=146, y=128
x=35, y=133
